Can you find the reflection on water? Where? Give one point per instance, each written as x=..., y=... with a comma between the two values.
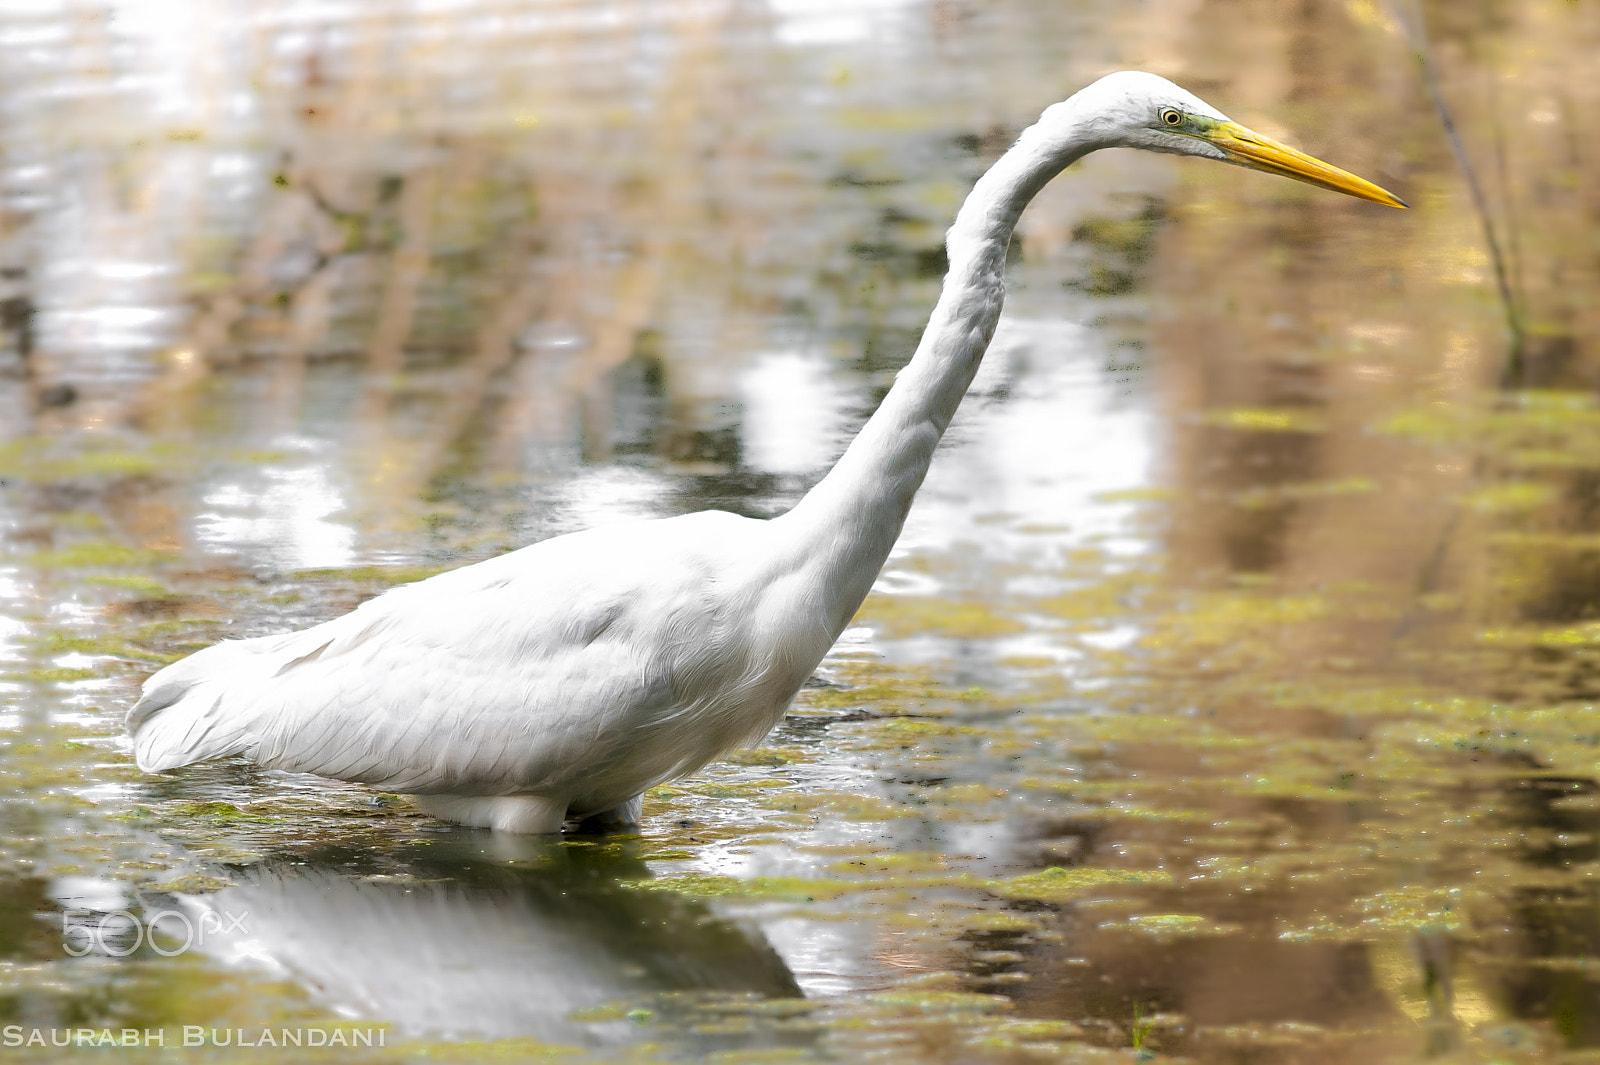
x=461, y=938
x=795, y=414
x=1230, y=694
x=292, y=522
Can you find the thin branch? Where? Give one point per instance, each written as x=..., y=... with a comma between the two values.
x=1417, y=33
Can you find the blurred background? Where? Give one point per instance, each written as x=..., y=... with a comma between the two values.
x=1229, y=694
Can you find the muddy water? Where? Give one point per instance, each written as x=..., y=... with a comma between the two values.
x=1229, y=696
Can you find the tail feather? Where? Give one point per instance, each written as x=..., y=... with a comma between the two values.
x=191, y=711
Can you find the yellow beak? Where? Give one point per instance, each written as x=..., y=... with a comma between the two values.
x=1248, y=148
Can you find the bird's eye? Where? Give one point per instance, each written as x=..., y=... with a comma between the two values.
x=1171, y=117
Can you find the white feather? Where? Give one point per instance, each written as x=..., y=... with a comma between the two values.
x=586, y=667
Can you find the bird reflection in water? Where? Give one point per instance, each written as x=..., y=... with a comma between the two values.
x=449, y=939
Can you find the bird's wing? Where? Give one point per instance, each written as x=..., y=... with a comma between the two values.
x=492, y=678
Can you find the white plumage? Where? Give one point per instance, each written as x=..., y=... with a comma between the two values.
x=566, y=678
x=485, y=681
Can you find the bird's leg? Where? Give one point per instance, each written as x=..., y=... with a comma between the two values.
x=626, y=813
x=528, y=815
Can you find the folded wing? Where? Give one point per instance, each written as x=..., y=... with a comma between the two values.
x=500, y=677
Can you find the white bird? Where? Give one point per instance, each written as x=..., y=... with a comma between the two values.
x=566, y=678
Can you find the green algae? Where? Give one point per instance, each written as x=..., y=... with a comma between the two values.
x=1147, y=813
x=1510, y=497
x=1158, y=729
x=762, y=1056
x=1059, y=885
x=1021, y=1031
x=904, y=732
x=48, y=461
x=1419, y=909
x=1297, y=782
x=732, y=789
x=1255, y=871
x=767, y=756
x=941, y=1002
x=1373, y=700
x=853, y=878
x=1146, y=494
x=997, y=923
x=97, y=554
x=851, y=807
x=1120, y=249
x=217, y=813
x=110, y=646
x=194, y=883
x=899, y=616
x=971, y=794
x=1171, y=926
x=1225, y=619
x=388, y=575
x=1091, y=604
x=1528, y=424
x=1571, y=636
x=1269, y=1039
x=473, y=1050
x=1265, y=419
x=869, y=687
x=893, y=864
x=755, y=888
x=607, y=1011
x=53, y=676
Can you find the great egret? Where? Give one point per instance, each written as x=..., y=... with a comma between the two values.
x=567, y=677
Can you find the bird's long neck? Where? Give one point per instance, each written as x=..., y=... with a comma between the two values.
x=847, y=524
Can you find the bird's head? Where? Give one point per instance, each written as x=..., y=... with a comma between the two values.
x=1138, y=110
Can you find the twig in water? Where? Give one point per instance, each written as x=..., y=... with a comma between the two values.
x=1417, y=33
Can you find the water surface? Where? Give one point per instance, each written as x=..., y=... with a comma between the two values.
x=1229, y=696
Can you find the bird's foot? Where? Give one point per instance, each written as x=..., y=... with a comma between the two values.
x=626, y=813
x=527, y=815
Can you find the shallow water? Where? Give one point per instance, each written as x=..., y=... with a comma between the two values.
x=1228, y=697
